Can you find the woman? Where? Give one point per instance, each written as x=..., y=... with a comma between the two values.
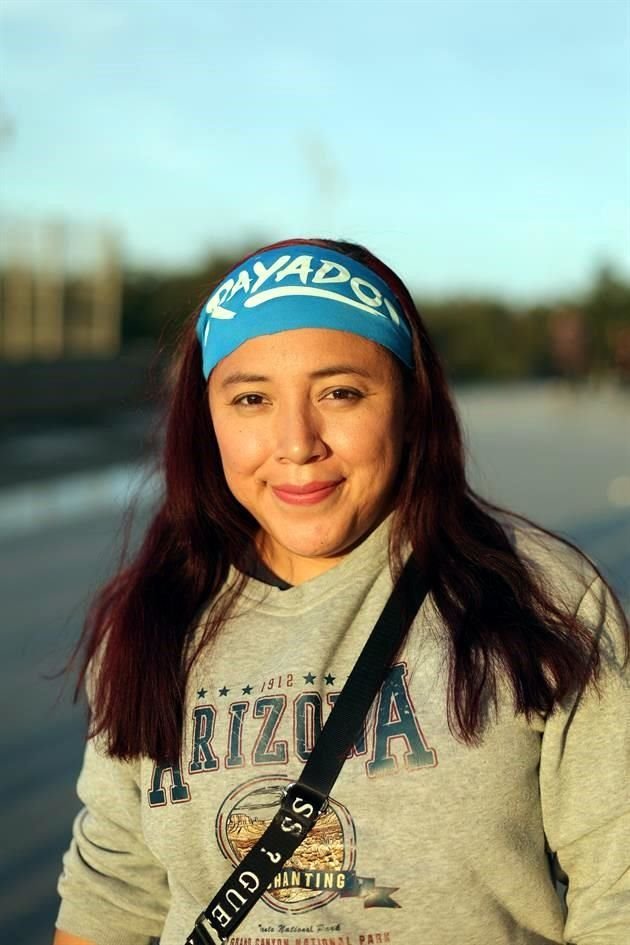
x=312, y=446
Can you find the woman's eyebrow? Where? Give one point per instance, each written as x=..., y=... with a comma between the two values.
x=339, y=369
x=240, y=377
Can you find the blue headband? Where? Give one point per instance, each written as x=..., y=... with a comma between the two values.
x=300, y=286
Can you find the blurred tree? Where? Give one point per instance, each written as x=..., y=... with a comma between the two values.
x=155, y=305
x=477, y=338
x=531, y=329
x=607, y=312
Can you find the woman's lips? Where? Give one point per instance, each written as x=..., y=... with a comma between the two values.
x=305, y=495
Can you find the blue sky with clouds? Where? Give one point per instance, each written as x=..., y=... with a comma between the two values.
x=474, y=144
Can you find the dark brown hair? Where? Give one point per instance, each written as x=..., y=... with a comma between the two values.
x=500, y=618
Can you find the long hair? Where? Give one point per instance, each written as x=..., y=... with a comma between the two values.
x=500, y=620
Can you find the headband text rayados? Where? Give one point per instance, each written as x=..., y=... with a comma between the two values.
x=300, y=286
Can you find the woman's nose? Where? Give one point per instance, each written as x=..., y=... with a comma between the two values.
x=298, y=435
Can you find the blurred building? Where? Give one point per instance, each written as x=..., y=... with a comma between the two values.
x=60, y=291
x=619, y=340
x=568, y=338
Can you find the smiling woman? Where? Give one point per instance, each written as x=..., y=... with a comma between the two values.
x=313, y=453
x=312, y=448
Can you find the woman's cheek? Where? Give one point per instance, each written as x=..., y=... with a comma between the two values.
x=246, y=449
x=362, y=439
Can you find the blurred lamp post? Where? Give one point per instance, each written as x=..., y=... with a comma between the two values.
x=48, y=328
x=106, y=312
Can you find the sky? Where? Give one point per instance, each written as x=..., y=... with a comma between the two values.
x=475, y=145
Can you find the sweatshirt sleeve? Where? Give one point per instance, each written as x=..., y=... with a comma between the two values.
x=113, y=890
x=585, y=787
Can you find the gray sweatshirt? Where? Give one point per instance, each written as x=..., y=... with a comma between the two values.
x=427, y=841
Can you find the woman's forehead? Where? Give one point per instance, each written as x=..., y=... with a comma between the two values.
x=306, y=350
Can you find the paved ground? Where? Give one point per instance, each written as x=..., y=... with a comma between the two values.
x=46, y=578
x=564, y=463
x=38, y=452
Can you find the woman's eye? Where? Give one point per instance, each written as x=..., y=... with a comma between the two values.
x=248, y=400
x=344, y=393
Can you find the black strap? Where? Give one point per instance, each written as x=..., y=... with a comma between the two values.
x=304, y=800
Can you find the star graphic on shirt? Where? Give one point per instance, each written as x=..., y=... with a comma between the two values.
x=201, y=693
x=310, y=679
x=247, y=690
x=330, y=679
x=224, y=691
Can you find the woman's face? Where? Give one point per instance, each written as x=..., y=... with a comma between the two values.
x=310, y=426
